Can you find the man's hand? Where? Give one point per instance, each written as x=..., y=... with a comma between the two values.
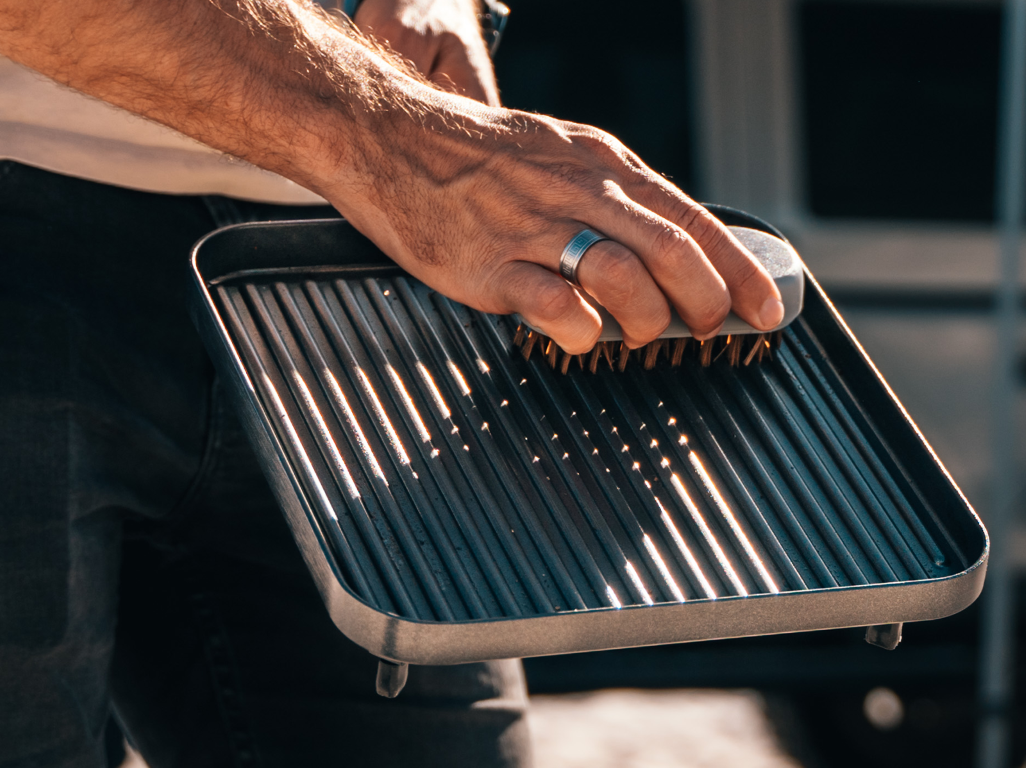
x=475, y=200
x=479, y=203
x=442, y=38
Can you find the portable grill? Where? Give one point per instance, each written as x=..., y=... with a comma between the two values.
x=457, y=503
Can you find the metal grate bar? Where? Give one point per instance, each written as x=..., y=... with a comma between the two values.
x=434, y=464
x=458, y=481
x=340, y=526
x=639, y=542
x=747, y=471
x=431, y=487
x=827, y=477
x=736, y=488
x=742, y=527
x=356, y=467
x=563, y=535
x=403, y=494
x=548, y=447
x=831, y=392
x=375, y=337
x=675, y=467
x=816, y=504
x=791, y=506
x=596, y=500
x=555, y=566
x=901, y=538
x=693, y=559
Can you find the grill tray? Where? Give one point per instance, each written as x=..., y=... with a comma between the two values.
x=456, y=503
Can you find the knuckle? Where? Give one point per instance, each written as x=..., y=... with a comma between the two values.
x=669, y=244
x=709, y=316
x=695, y=218
x=552, y=301
x=610, y=145
x=620, y=268
x=582, y=343
x=619, y=278
x=651, y=327
x=742, y=273
x=601, y=143
x=569, y=177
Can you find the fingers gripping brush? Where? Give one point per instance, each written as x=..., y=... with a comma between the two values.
x=738, y=342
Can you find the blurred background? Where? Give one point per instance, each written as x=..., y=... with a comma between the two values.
x=865, y=130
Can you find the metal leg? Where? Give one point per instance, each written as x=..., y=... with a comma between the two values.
x=886, y=636
x=391, y=678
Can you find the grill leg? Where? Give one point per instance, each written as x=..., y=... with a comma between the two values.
x=886, y=636
x=391, y=678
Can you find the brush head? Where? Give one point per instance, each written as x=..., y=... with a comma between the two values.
x=778, y=257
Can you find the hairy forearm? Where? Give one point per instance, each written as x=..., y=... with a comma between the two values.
x=274, y=82
x=475, y=200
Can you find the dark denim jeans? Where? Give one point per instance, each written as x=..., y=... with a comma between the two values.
x=142, y=558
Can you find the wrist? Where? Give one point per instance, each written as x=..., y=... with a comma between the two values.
x=419, y=143
x=351, y=133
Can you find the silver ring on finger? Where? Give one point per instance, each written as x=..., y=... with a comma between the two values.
x=574, y=251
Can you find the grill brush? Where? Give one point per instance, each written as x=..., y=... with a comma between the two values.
x=739, y=342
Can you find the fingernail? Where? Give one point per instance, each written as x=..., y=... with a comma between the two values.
x=771, y=314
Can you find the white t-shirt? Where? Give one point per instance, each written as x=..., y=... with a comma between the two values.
x=55, y=128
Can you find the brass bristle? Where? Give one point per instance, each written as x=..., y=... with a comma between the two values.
x=625, y=355
x=722, y=343
x=679, y=346
x=652, y=354
x=754, y=350
x=765, y=350
x=734, y=345
x=529, y=342
x=705, y=351
x=744, y=349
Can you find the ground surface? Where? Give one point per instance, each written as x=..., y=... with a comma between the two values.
x=647, y=729
x=654, y=729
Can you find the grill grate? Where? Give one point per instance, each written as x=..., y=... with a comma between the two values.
x=457, y=481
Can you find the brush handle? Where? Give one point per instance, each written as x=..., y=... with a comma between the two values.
x=779, y=258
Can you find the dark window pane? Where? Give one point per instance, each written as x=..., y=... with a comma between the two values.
x=604, y=64
x=900, y=109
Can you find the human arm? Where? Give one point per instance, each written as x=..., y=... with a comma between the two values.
x=475, y=200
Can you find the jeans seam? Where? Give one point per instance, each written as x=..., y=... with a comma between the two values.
x=211, y=449
x=225, y=678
